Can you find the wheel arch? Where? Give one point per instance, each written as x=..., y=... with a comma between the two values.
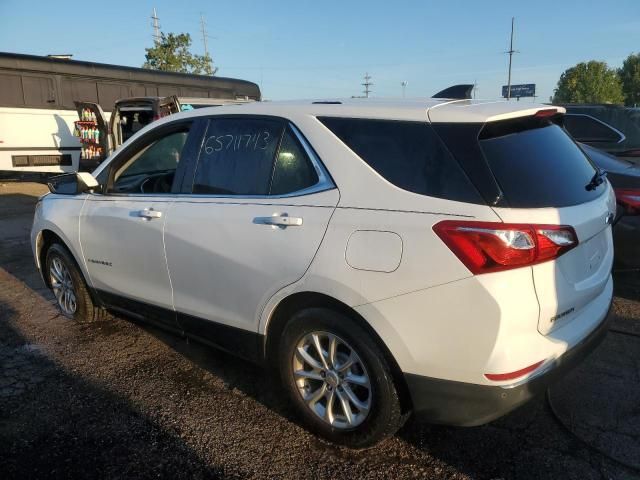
x=300, y=300
x=47, y=237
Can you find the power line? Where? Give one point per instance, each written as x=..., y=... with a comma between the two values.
x=367, y=83
x=156, y=27
x=510, y=52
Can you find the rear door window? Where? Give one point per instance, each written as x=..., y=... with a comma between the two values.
x=410, y=155
x=237, y=156
x=537, y=164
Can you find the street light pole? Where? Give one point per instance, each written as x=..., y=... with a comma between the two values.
x=404, y=85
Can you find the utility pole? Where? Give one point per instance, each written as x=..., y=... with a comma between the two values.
x=510, y=52
x=367, y=83
x=156, y=27
x=475, y=88
x=203, y=29
x=404, y=86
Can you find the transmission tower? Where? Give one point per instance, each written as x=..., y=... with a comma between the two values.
x=367, y=83
x=211, y=70
x=156, y=27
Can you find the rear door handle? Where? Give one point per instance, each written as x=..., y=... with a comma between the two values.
x=283, y=220
x=149, y=213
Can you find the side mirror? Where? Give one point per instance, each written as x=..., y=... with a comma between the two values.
x=72, y=183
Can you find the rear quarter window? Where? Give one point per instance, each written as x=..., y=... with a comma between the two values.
x=410, y=155
x=537, y=164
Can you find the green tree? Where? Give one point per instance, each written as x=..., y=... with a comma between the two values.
x=171, y=54
x=630, y=77
x=591, y=82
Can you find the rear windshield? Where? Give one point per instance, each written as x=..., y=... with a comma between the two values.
x=537, y=164
x=409, y=155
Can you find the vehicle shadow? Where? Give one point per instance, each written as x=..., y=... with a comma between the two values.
x=257, y=382
x=63, y=135
x=627, y=284
x=512, y=446
x=55, y=424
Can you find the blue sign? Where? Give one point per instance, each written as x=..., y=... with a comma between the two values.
x=517, y=91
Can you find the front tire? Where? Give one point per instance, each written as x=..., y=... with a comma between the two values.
x=68, y=285
x=338, y=379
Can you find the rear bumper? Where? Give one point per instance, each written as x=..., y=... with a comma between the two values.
x=466, y=404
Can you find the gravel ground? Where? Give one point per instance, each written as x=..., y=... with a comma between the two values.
x=116, y=399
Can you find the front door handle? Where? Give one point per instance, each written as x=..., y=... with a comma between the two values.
x=149, y=213
x=283, y=220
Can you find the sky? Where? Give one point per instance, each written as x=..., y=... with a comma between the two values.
x=322, y=49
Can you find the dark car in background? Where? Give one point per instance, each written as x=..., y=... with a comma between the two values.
x=625, y=179
x=612, y=128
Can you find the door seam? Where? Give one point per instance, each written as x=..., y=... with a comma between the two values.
x=166, y=261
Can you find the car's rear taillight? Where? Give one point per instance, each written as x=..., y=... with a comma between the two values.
x=486, y=247
x=629, y=198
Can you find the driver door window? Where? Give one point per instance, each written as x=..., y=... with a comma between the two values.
x=151, y=170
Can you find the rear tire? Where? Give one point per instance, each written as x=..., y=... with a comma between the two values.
x=349, y=396
x=67, y=283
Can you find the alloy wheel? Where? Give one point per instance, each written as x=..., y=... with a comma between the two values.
x=62, y=286
x=332, y=380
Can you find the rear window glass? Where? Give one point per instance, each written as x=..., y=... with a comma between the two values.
x=587, y=129
x=410, y=155
x=537, y=164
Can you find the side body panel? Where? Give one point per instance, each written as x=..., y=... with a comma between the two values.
x=368, y=202
x=61, y=215
x=430, y=310
x=226, y=262
x=124, y=252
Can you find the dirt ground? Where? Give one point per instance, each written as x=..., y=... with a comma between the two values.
x=116, y=399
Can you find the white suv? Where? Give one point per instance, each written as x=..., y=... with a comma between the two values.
x=447, y=258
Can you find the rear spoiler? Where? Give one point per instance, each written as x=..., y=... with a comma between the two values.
x=456, y=92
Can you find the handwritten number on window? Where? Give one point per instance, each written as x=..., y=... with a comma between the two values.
x=245, y=141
